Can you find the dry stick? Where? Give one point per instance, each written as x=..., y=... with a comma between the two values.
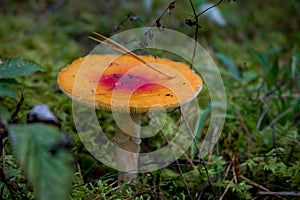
x=2, y=169
x=272, y=126
x=113, y=183
x=227, y=171
x=226, y=190
x=18, y=108
x=283, y=193
x=232, y=159
x=235, y=158
x=3, y=154
x=246, y=130
x=184, y=181
x=183, y=153
x=179, y=168
x=2, y=136
x=180, y=171
x=259, y=186
x=234, y=175
x=169, y=8
x=79, y=172
x=209, y=8
x=143, y=192
x=199, y=153
x=116, y=188
x=122, y=49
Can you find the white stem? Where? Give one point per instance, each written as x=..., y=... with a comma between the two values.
x=129, y=147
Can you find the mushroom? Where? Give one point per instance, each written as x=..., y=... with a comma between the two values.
x=128, y=86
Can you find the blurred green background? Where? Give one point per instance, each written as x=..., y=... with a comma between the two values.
x=257, y=53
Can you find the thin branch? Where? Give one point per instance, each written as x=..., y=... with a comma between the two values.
x=235, y=157
x=183, y=153
x=196, y=32
x=227, y=171
x=3, y=134
x=131, y=17
x=226, y=190
x=178, y=165
x=207, y=9
x=259, y=186
x=295, y=194
x=168, y=9
x=143, y=192
x=272, y=126
x=18, y=108
x=246, y=130
x=197, y=26
x=118, y=47
x=3, y=154
x=200, y=154
x=184, y=181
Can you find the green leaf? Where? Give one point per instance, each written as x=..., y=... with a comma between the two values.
x=4, y=114
x=16, y=67
x=199, y=127
x=50, y=173
x=271, y=76
x=295, y=63
x=8, y=88
x=262, y=59
x=229, y=64
x=7, y=92
x=275, y=68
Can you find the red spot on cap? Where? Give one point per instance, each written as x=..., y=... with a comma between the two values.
x=127, y=83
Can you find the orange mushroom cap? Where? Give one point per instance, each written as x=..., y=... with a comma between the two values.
x=125, y=84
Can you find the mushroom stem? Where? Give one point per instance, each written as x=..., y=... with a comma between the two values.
x=129, y=147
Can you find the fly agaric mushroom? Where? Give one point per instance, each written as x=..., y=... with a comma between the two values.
x=129, y=85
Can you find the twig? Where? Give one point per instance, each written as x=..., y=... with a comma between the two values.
x=295, y=194
x=184, y=181
x=169, y=9
x=2, y=136
x=180, y=171
x=116, y=188
x=3, y=169
x=246, y=130
x=197, y=26
x=113, y=183
x=118, y=47
x=178, y=165
x=234, y=175
x=260, y=120
x=207, y=9
x=196, y=32
x=131, y=17
x=18, y=108
x=226, y=190
x=183, y=152
x=235, y=157
x=272, y=126
x=259, y=186
x=143, y=192
x=200, y=154
x=3, y=154
x=227, y=170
